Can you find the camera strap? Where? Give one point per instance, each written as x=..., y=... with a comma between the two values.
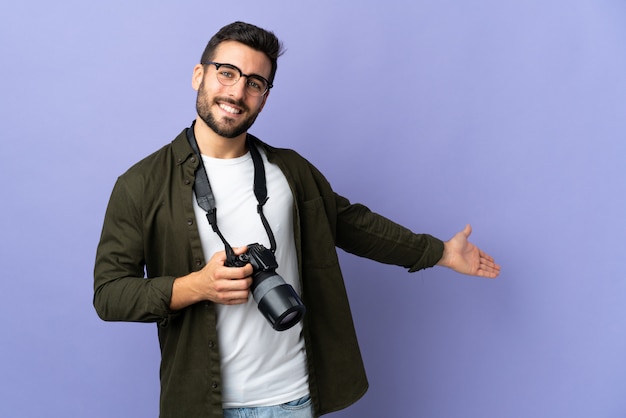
x=206, y=200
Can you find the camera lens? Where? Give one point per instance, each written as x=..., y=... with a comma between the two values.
x=289, y=317
x=277, y=300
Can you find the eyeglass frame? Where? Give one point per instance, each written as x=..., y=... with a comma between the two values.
x=241, y=74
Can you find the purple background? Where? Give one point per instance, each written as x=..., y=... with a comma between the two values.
x=509, y=115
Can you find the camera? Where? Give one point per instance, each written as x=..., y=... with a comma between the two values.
x=276, y=299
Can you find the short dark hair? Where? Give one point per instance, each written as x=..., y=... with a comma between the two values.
x=256, y=38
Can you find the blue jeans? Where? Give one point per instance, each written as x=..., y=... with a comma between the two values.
x=300, y=408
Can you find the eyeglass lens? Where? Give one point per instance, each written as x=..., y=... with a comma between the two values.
x=228, y=75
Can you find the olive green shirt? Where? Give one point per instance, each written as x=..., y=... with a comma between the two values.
x=150, y=237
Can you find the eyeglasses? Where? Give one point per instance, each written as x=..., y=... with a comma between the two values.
x=229, y=75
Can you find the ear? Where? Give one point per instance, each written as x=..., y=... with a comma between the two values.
x=198, y=75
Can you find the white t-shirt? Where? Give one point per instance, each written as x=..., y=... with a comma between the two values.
x=260, y=366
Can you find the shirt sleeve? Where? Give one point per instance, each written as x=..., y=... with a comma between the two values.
x=368, y=234
x=121, y=291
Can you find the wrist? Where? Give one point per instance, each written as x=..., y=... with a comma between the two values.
x=184, y=292
x=445, y=261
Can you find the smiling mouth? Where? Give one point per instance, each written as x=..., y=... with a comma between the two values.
x=229, y=109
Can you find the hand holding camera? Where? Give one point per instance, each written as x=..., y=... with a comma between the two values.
x=277, y=300
x=214, y=282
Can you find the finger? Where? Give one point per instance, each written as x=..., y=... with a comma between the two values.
x=241, y=272
x=487, y=261
x=219, y=256
x=485, y=256
x=234, y=298
x=238, y=301
x=228, y=289
x=235, y=273
x=487, y=274
x=490, y=270
x=240, y=250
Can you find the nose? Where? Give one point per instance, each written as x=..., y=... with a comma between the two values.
x=238, y=90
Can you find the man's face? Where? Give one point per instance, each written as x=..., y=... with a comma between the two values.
x=229, y=110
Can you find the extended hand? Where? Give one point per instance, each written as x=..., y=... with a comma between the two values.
x=464, y=257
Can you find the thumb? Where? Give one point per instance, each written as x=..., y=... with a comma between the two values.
x=240, y=250
x=467, y=231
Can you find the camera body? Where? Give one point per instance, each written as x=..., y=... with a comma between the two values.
x=276, y=299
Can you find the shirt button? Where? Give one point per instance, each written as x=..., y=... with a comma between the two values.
x=211, y=344
x=187, y=182
x=214, y=385
x=193, y=159
x=198, y=262
x=189, y=221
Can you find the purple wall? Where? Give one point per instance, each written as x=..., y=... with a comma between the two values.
x=508, y=115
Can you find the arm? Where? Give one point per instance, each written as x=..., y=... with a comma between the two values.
x=380, y=239
x=464, y=257
x=367, y=234
x=121, y=293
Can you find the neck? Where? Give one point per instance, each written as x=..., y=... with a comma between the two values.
x=216, y=146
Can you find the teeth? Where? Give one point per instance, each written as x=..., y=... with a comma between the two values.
x=229, y=109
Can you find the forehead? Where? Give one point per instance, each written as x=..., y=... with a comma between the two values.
x=249, y=60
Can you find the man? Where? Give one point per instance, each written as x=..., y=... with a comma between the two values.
x=220, y=357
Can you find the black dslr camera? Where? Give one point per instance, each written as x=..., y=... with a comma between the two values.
x=277, y=300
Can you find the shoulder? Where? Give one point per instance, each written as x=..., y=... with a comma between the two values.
x=148, y=179
x=161, y=162
x=274, y=152
x=306, y=179
x=285, y=158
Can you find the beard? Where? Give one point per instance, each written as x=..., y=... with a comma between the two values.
x=227, y=127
